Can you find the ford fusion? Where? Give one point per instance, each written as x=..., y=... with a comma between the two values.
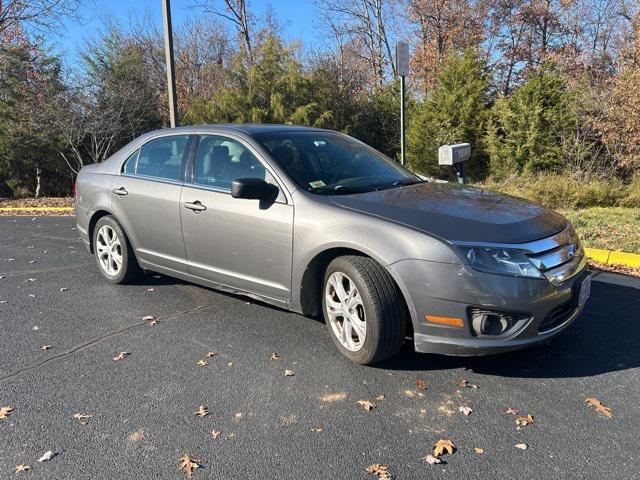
x=317, y=222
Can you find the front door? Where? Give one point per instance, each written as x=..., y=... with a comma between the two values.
x=231, y=241
x=146, y=201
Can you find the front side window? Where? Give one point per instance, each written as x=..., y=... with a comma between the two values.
x=161, y=158
x=331, y=163
x=220, y=160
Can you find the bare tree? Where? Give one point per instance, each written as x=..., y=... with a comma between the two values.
x=42, y=15
x=235, y=11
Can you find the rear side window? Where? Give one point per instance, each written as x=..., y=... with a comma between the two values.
x=161, y=158
x=129, y=166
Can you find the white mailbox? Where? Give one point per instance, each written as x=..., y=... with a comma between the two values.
x=452, y=154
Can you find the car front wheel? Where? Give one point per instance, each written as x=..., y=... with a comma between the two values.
x=363, y=309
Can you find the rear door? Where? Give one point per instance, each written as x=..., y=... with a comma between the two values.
x=146, y=200
x=235, y=242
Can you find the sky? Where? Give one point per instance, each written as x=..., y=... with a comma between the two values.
x=298, y=17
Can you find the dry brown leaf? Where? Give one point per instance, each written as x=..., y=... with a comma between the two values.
x=22, y=468
x=465, y=384
x=594, y=402
x=382, y=471
x=379, y=398
x=121, y=356
x=151, y=320
x=421, y=384
x=188, y=464
x=511, y=411
x=83, y=418
x=442, y=447
x=6, y=411
x=316, y=430
x=215, y=434
x=522, y=421
x=47, y=456
x=479, y=451
x=46, y=347
x=274, y=356
x=202, y=411
x=431, y=460
x=366, y=404
x=202, y=363
x=212, y=354
x=465, y=410
x=289, y=373
x=333, y=397
x=522, y=446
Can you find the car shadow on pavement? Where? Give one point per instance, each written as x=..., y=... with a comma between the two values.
x=605, y=338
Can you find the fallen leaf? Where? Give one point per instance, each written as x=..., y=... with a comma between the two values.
x=151, y=289
x=64, y=289
x=46, y=457
x=36, y=328
x=22, y=468
x=522, y=446
x=431, y=460
x=121, y=356
x=5, y=412
x=274, y=356
x=230, y=364
x=465, y=410
x=202, y=411
x=215, y=434
x=29, y=280
x=443, y=446
x=379, y=398
x=188, y=464
x=366, y=404
x=289, y=373
x=83, y=418
x=333, y=397
x=421, y=384
x=202, y=363
x=211, y=354
x=594, y=402
x=465, y=384
x=511, y=411
x=409, y=393
x=316, y=430
x=479, y=451
x=46, y=347
x=382, y=471
x=151, y=320
x=522, y=421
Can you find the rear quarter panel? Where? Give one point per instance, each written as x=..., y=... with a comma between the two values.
x=93, y=193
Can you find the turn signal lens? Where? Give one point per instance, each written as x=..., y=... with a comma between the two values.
x=451, y=321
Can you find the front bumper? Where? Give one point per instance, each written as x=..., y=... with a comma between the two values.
x=447, y=290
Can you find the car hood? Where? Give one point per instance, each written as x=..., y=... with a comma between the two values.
x=458, y=212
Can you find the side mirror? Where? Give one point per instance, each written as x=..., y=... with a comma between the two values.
x=253, y=189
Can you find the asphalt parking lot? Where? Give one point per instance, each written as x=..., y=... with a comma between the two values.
x=142, y=407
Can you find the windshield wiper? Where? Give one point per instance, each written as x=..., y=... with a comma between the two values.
x=343, y=189
x=406, y=181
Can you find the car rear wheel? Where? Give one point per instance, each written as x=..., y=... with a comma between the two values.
x=363, y=309
x=113, y=252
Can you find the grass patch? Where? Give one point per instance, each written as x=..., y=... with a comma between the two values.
x=610, y=228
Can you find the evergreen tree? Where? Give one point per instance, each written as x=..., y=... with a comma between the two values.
x=454, y=112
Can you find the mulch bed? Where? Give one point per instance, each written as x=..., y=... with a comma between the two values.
x=27, y=205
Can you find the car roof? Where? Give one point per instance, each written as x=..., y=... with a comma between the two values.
x=247, y=128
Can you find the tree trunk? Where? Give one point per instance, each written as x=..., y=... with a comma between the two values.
x=38, y=181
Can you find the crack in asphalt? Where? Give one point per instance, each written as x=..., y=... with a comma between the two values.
x=101, y=338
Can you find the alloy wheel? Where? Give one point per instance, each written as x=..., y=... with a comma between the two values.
x=109, y=250
x=345, y=311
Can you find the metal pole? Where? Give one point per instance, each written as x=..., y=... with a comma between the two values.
x=171, y=69
x=402, y=126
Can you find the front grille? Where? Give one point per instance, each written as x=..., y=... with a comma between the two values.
x=562, y=261
x=557, y=316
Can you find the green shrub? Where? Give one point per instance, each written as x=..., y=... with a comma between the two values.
x=632, y=195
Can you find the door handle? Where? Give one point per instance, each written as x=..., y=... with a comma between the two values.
x=121, y=192
x=195, y=206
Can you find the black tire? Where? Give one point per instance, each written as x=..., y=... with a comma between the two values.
x=129, y=269
x=383, y=306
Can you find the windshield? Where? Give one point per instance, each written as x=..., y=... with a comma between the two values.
x=331, y=163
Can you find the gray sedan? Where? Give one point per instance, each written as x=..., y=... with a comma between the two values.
x=317, y=222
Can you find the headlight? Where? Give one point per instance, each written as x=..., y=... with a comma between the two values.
x=502, y=261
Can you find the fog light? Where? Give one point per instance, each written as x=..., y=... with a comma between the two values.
x=491, y=323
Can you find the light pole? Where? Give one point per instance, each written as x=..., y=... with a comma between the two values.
x=402, y=69
x=171, y=69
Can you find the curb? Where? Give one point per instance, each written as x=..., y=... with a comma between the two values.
x=613, y=257
x=36, y=209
